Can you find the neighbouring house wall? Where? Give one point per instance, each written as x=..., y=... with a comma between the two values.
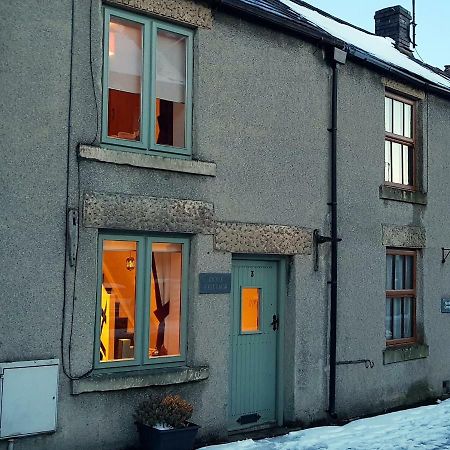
x=367, y=225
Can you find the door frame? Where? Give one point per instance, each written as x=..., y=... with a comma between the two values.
x=281, y=300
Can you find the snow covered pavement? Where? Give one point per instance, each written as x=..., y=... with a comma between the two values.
x=424, y=428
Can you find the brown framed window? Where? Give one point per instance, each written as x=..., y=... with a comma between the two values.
x=400, y=316
x=399, y=141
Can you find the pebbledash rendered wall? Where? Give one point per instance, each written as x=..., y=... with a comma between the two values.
x=261, y=171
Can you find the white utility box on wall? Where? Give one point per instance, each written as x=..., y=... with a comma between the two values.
x=28, y=397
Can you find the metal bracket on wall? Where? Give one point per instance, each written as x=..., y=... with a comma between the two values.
x=72, y=234
x=319, y=239
x=445, y=253
x=367, y=362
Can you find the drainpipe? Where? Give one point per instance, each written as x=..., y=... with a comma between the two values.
x=339, y=57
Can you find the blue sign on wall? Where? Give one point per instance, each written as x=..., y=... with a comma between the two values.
x=445, y=305
x=214, y=283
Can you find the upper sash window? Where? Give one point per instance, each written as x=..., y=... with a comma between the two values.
x=147, y=85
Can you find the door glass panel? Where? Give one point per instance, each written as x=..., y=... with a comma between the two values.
x=125, y=79
x=170, y=89
x=165, y=299
x=250, y=309
x=118, y=300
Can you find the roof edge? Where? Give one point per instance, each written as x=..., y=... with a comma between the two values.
x=306, y=30
x=313, y=33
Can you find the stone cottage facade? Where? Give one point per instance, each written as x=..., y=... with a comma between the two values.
x=223, y=200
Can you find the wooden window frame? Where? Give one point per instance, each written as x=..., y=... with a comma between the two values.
x=148, y=143
x=396, y=293
x=403, y=140
x=141, y=359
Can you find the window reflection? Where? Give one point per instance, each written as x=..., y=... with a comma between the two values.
x=165, y=301
x=118, y=301
x=125, y=73
x=170, y=89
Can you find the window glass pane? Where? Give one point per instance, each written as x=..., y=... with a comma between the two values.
x=388, y=114
x=118, y=300
x=387, y=161
x=250, y=309
x=397, y=324
x=125, y=79
x=407, y=317
x=170, y=89
x=399, y=273
x=165, y=299
x=408, y=120
x=398, y=117
x=389, y=272
x=388, y=318
x=409, y=272
x=411, y=165
x=397, y=175
x=406, y=167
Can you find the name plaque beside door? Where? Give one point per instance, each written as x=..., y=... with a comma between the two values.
x=445, y=305
x=214, y=283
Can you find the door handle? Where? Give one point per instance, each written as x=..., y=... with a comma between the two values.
x=275, y=322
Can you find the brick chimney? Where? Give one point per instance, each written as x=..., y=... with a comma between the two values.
x=395, y=22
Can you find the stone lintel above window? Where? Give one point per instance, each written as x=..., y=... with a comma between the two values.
x=403, y=236
x=184, y=11
x=403, y=88
x=117, y=381
x=142, y=213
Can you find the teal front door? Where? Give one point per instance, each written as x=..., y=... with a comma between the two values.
x=255, y=325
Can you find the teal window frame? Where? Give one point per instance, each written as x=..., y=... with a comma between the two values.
x=148, y=143
x=142, y=321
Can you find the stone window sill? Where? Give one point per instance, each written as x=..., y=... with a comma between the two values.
x=401, y=195
x=408, y=353
x=117, y=381
x=147, y=161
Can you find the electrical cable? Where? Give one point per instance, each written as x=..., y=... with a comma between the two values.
x=69, y=135
x=418, y=54
x=428, y=133
x=97, y=121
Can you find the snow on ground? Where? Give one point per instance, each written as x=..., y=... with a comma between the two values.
x=424, y=428
x=380, y=47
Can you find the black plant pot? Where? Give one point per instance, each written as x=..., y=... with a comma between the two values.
x=174, y=439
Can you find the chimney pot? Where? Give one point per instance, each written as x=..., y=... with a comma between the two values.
x=395, y=22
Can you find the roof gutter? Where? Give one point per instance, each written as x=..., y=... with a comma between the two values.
x=377, y=64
